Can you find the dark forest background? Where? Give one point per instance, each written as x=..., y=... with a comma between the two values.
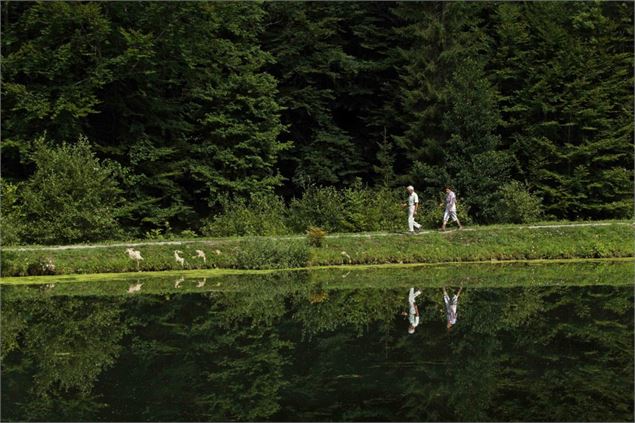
x=134, y=117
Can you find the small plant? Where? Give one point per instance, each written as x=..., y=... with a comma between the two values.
x=155, y=234
x=315, y=236
x=43, y=266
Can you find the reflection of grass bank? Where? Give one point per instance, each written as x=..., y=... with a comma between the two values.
x=483, y=244
x=578, y=273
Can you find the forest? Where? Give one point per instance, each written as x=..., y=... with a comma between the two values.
x=142, y=119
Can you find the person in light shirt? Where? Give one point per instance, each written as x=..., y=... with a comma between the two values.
x=413, y=206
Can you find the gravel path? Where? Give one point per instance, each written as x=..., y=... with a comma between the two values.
x=343, y=235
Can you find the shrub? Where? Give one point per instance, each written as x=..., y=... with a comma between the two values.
x=386, y=208
x=315, y=236
x=11, y=216
x=354, y=209
x=367, y=209
x=319, y=206
x=264, y=214
x=517, y=204
x=71, y=197
x=265, y=253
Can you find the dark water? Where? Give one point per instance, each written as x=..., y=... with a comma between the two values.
x=303, y=349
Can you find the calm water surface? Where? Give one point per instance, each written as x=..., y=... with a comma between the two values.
x=323, y=347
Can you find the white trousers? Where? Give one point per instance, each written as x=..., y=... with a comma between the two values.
x=411, y=219
x=448, y=214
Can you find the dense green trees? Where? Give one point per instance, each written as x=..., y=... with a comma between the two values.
x=200, y=104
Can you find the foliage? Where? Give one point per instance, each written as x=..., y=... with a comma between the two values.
x=262, y=214
x=517, y=204
x=353, y=209
x=12, y=223
x=71, y=197
x=566, y=103
x=318, y=206
x=266, y=253
x=188, y=114
x=315, y=236
x=287, y=97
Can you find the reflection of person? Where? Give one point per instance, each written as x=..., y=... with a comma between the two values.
x=413, y=206
x=413, y=310
x=450, y=306
x=450, y=208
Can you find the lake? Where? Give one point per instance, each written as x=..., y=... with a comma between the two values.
x=539, y=342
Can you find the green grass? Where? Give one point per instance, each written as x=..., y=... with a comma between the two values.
x=494, y=243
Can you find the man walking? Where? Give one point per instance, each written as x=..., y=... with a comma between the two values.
x=413, y=206
x=450, y=208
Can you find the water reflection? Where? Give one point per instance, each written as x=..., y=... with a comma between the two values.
x=290, y=348
x=451, y=305
x=413, y=310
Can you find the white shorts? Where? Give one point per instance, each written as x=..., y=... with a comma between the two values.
x=448, y=214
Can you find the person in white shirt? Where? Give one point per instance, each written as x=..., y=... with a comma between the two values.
x=451, y=305
x=413, y=206
x=450, y=208
x=413, y=311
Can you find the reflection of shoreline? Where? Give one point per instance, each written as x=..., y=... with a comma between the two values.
x=524, y=344
x=195, y=273
x=613, y=272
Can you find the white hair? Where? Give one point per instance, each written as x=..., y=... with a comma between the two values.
x=411, y=330
x=410, y=187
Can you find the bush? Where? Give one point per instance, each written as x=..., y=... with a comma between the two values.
x=265, y=253
x=354, y=209
x=11, y=216
x=72, y=196
x=264, y=214
x=315, y=236
x=517, y=204
x=319, y=206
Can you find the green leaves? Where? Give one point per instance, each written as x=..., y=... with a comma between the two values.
x=71, y=197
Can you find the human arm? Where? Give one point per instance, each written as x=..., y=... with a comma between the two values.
x=416, y=310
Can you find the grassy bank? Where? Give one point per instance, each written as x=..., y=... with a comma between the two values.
x=479, y=244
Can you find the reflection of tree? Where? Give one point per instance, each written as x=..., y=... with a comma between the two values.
x=201, y=357
x=577, y=361
x=355, y=309
x=55, y=352
x=502, y=361
x=274, y=352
